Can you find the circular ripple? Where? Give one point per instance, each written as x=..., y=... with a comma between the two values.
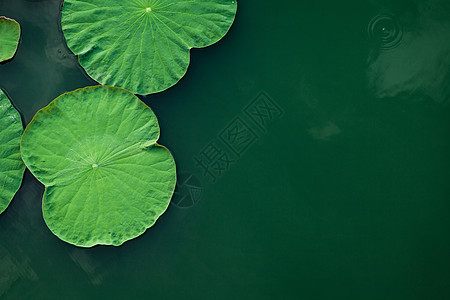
x=385, y=31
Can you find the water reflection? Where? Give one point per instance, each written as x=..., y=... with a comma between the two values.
x=96, y=263
x=325, y=131
x=14, y=267
x=20, y=230
x=418, y=60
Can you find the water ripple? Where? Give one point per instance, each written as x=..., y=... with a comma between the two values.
x=385, y=32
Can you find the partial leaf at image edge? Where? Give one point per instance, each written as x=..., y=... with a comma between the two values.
x=9, y=38
x=11, y=165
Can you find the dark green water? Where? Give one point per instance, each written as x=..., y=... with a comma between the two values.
x=335, y=183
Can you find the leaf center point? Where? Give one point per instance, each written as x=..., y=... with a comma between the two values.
x=94, y=166
x=148, y=9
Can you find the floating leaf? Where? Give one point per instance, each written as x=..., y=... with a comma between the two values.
x=142, y=45
x=11, y=164
x=9, y=38
x=106, y=178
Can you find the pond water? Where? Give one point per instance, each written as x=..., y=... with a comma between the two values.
x=330, y=124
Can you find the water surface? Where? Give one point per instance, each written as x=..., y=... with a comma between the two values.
x=340, y=190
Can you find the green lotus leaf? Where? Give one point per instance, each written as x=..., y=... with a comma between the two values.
x=9, y=38
x=11, y=164
x=106, y=178
x=142, y=45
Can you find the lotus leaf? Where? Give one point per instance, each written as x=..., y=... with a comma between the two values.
x=106, y=178
x=9, y=38
x=142, y=45
x=11, y=164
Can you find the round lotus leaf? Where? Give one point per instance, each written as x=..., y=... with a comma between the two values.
x=11, y=164
x=9, y=38
x=106, y=178
x=142, y=45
